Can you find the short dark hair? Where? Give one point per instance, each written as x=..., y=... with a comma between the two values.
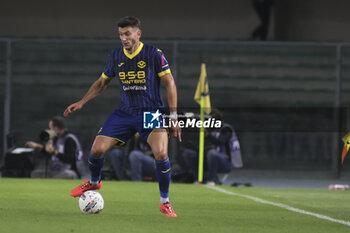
x=58, y=121
x=129, y=21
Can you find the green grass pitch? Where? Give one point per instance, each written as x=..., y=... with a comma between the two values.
x=43, y=205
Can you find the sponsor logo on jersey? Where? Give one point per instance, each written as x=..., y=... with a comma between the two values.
x=141, y=64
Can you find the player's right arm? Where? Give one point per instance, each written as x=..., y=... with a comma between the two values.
x=95, y=89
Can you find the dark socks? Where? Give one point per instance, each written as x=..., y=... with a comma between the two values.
x=163, y=172
x=95, y=166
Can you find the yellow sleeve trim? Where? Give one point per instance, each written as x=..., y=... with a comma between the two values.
x=105, y=76
x=161, y=74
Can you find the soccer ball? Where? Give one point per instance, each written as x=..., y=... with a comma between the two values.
x=91, y=202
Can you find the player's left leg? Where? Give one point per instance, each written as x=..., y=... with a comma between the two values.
x=158, y=140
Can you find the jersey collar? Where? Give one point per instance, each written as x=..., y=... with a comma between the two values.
x=132, y=55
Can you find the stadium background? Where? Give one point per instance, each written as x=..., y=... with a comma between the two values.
x=287, y=97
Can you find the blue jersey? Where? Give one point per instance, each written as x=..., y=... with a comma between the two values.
x=139, y=76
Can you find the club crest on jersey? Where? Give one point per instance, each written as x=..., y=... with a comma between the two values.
x=141, y=64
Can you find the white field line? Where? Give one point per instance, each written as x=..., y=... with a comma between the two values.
x=287, y=207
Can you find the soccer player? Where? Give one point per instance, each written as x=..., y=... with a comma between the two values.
x=140, y=68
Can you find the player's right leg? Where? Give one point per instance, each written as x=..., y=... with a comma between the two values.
x=115, y=131
x=100, y=146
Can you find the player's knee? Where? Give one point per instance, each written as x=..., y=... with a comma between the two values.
x=160, y=154
x=98, y=151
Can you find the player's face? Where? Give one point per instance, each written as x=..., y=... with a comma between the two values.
x=130, y=37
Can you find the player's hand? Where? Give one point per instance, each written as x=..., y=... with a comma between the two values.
x=72, y=108
x=176, y=131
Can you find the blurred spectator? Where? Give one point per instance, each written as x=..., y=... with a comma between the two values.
x=191, y=158
x=189, y=153
x=117, y=157
x=63, y=149
x=262, y=8
x=222, y=152
x=140, y=160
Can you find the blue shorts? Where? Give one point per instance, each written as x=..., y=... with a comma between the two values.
x=121, y=126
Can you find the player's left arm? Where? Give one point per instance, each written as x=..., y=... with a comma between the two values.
x=169, y=83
